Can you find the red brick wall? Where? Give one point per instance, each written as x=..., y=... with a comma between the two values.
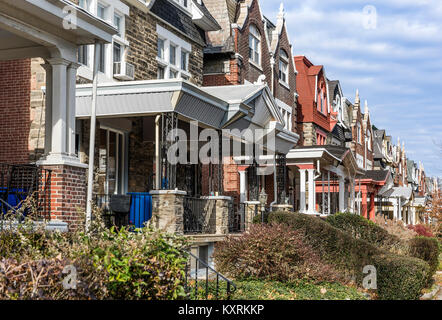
x=68, y=194
x=15, y=94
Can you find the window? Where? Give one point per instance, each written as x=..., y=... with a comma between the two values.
x=117, y=23
x=173, y=74
x=101, y=11
x=161, y=72
x=83, y=53
x=369, y=139
x=172, y=54
x=84, y=4
x=184, y=60
x=160, y=48
x=254, y=45
x=117, y=52
x=359, y=132
x=283, y=66
x=183, y=3
x=102, y=57
x=320, y=139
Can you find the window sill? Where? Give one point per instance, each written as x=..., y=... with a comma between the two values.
x=284, y=84
x=254, y=64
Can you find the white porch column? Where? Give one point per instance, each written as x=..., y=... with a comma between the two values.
x=352, y=195
x=328, y=194
x=59, y=121
x=48, y=108
x=70, y=107
x=242, y=186
x=311, y=191
x=413, y=216
x=341, y=194
x=399, y=209
x=395, y=209
x=302, y=191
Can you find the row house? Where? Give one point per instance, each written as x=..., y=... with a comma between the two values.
x=150, y=61
x=250, y=49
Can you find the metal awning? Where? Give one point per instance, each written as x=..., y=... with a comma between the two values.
x=144, y=98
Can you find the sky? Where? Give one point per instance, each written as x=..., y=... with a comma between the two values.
x=391, y=50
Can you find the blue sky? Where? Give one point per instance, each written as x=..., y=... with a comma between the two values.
x=396, y=63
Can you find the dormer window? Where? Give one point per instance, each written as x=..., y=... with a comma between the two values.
x=283, y=67
x=254, y=45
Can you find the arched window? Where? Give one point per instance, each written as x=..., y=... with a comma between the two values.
x=254, y=45
x=283, y=66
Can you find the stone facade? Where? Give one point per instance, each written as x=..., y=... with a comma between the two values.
x=168, y=212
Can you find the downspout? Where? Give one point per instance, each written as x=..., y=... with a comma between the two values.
x=318, y=169
x=157, y=153
x=90, y=179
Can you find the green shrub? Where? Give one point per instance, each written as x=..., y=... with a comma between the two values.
x=332, y=244
x=271, y=252
x=361, y=228
x=399, y=277
x=428, y=250
x=110, y=264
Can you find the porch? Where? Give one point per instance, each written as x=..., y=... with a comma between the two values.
x=170, y=145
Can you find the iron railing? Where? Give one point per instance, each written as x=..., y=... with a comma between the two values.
x=21, y=182
x=237, y=217
x=111, y=218
x=199, y=215
x=204, y=282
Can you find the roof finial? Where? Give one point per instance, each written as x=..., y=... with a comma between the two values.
x=281, y=14
x=357, y=100
x=366, y=107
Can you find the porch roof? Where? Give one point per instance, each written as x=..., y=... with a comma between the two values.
x=398, y=192
x=249, y=107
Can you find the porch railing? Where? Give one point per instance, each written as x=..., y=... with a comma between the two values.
x=237, y=217
x=21, y=182
x=133, y=209
x=202, y=282
x=199, y=215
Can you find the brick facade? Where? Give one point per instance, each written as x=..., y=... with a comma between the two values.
x=15, y=93
x=68, y=194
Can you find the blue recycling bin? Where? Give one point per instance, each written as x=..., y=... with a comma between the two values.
x=140, y=208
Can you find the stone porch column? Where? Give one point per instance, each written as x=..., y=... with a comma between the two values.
x=222, y=210
x=168, y=211
x=251, y=209
x=302, y=193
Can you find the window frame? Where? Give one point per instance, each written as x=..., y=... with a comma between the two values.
x=284, y=65
x=255, y=45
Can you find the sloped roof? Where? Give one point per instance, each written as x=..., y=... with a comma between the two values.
x=206, y=12
x=398, y=192
x=375, y=175
x=179, y=19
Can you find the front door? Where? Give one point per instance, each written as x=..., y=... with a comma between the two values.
x=111, y=162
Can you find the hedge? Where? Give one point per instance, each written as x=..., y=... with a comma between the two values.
x=361, y=228
x=423, y=248
x=398, y=277
x=428, y=250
